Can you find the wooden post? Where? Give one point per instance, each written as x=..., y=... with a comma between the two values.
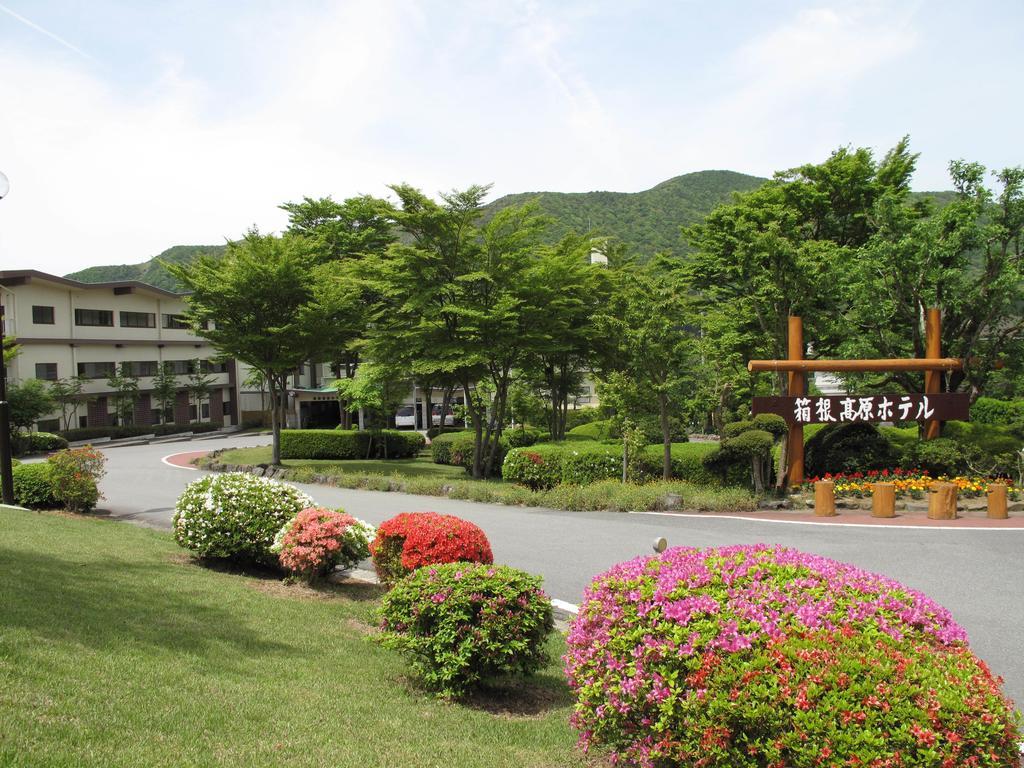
x=796, y=386
x=997, y=501
x=825, y=498
x=883, y=500
x=942, y=501
x=933, y=350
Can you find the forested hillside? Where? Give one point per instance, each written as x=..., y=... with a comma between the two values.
x=646, y=222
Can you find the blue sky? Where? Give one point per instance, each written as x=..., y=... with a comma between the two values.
x=126, y=127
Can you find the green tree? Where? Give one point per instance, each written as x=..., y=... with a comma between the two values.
x=652, y=319
x=966, y=259
x=349, y=229
x=460, y=300
x=165, y=391
x=126, y=392
x=28, y=402
x=199, y=386
x=378, y=390
x=261, y=304
x=67, y=394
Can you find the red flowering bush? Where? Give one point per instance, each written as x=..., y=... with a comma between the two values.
x=738, y=657
x=413, y=539
x=317, y=540
x=75, y=474
x=461, y=623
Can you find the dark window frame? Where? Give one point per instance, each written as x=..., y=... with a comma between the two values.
x=149, y=316
x=174, y=322
x=107, y=372
x=47, y=368
x=100, y=314
x=36, y=314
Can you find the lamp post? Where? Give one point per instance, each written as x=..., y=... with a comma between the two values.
x=6, y=476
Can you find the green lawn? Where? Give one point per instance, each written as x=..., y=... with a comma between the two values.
x=421, y=466
x=117, y=650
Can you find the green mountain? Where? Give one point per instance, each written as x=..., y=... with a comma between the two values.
x=647, y=222
x=150, y=272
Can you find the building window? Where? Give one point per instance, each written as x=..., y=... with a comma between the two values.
x=206, y=410
x=180, y=367
x=48, y=425
x=42, y=315
x=212, y=366
x=192, y=413
x=175, y=322
x=46, y=371
x=83, y=421
x=138, y=320
x=141, y=368
x=225, y=407
x=96, y=370
x=104, y=317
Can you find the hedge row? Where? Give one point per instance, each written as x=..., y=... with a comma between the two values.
x=1004, y=413
x=545, y=466
x=349, y=444
x=456, y=448
x=38, y=442
x=135, y=430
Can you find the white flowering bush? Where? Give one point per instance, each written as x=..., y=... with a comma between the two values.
x=235, y=515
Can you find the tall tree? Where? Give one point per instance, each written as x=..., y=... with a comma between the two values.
x=966, y=259
x=67, y=394
x=460, y=301
x=653, y=321
x=165, y=390
x=262, y=304
x=199, y=386
x=125, y=386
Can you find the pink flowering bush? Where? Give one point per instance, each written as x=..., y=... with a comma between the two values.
x=317, y=540
x=461, y=623
x=765, y=656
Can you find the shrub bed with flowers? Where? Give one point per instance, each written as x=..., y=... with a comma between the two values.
x=412, y=540
x=235, y=516
x=462, y=623
x=908, y=482
x=755, y=656
x=318, y=540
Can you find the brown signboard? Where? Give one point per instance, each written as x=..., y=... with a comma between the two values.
x=845, y=408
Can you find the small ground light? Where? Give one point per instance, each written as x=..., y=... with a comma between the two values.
x=660, y=544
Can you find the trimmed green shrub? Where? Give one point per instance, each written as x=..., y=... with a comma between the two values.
x=235, y=516
x=900, y=438
x=132, y=430
x=42, y=442
x=850, y=447
x=76, y=473
x=1001, y=413
x=33, y=486
x=594, y=430
x=456, y=450
x=435, y=431
x=521, y=437
x=349, y=444
x=576, y=417
x=463, y=623
x=736, y=427
x=941, y=456
x=771, y=423
x=547, y=465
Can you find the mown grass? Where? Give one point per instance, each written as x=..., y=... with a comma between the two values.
x=117, y=650
x=605, y=495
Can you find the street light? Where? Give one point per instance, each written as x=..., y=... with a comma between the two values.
x=6, y=476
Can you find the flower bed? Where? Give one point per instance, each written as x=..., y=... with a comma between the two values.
x=754, y=656
x=908, y=482
x=412, y=540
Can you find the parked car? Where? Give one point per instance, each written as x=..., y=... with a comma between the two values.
x=405, y=417
x=435, y=417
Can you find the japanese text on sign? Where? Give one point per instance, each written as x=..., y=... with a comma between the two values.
x=847, y=408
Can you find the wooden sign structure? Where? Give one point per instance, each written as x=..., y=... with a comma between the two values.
x=797, y=369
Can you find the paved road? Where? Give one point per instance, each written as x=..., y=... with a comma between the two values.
x=977, y=574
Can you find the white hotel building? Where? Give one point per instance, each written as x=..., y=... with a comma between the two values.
x=66, y=328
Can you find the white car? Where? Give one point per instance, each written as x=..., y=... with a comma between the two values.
x=405, y=417
x=435, y=417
